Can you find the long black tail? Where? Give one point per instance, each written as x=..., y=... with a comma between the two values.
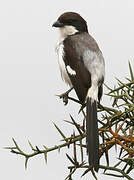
x=92, y=134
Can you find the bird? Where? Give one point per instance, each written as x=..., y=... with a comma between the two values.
x=82, y=67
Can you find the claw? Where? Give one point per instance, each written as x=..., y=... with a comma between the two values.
x=64, y=96
x=65, y=99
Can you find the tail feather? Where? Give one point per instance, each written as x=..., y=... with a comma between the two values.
x=92, y=134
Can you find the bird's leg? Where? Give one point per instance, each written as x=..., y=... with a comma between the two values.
x=64, y=96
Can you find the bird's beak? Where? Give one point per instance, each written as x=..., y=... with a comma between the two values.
x=58, y=24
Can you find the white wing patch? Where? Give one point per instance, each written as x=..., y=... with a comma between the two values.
x=70, y=70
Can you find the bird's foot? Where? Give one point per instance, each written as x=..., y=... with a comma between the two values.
x=64, y=96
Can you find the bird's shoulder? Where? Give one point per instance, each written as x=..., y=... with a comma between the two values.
x=81, y=42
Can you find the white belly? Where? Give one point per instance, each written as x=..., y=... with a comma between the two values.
x=60, y=53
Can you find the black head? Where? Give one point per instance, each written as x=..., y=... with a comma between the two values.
x=71, y=19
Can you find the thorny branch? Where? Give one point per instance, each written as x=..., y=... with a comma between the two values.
x=116, y=128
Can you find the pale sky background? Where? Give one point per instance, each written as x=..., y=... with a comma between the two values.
x=30, y=78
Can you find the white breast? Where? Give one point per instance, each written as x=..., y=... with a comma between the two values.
x=60, y=53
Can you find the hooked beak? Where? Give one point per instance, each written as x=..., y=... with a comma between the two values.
x=58, y=24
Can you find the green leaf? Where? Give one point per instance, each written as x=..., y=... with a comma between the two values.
x=46, y=148
x=81, y=150
x=17, y=147
x=93, y=173
x=26, y=161
x=131, y=71
x=61, y=133
x=30, y=144
x=72, y=161
x=76, y=125
x=45, y=156
x=85, y=172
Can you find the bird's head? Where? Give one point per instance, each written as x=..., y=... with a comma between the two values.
x=70, y=23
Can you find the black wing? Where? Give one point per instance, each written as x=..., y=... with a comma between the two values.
x=81, y=81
